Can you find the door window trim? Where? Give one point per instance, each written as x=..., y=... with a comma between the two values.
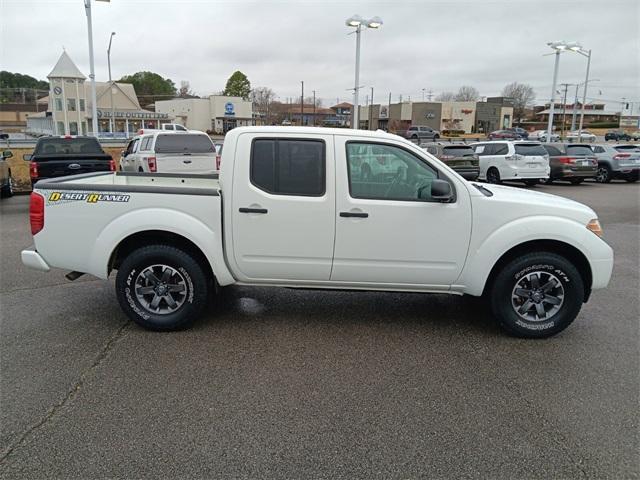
x=439, y=175
x=276, y=140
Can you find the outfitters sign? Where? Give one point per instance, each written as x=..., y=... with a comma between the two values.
x=65, y=197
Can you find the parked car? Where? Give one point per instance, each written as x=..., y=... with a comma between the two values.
x=571, y=161
x=504, y=135
x=6, y=180
x=175, y=127
x=419, y=132
x=577, y=136
x=541, y=136
x=617, y=135
x=461, y=158
x=508, y=160
x=295, y=216
x=635, y=135
x=59, y=156
x=373, y=163
x=4, y=135
x=520, y=131
x=166, y=152
x=619, y=161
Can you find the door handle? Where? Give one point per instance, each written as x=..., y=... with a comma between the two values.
x=252, y=210
x=186, y=161
x=354, y=214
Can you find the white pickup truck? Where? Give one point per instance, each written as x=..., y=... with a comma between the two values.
x=293, y=208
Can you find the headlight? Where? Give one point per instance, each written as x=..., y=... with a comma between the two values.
x=595, y=227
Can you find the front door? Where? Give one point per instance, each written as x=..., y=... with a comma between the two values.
x=388, y=229
x=283, y=208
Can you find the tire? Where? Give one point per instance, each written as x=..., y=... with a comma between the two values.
x=532, y=182
x=576, y=181
x=436, y=137
x=603, y=175
x=548, y=181
x=140, y=170
x=493, y=176
x=154, y=269
x=7, y=190
x=536, y=295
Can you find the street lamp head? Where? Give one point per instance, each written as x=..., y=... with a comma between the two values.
x=375, y=22
x=564, y=45
x=354, y=21
x=113, y=33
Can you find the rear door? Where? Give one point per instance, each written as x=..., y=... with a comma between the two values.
x=283, y=207
x=185, y=152
x=484, y=151
x=531, y=157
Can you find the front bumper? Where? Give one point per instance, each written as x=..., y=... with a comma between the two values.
x=32, y=259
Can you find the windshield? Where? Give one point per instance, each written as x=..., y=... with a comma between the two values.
x=67, y=146
x=187, y=143
x=530, y=149
x=458, y=151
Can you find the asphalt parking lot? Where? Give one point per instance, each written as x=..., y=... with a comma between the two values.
x=280, y=383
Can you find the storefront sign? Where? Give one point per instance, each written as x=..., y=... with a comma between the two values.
x=133, y=115
x=229, y=109
x=384, y=112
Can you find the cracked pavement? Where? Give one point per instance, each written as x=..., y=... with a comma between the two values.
x=283, y=383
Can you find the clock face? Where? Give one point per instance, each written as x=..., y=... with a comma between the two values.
x=57, y=90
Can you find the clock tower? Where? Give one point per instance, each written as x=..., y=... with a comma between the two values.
x=67, y=99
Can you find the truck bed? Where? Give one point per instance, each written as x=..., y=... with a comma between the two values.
x=185, y=183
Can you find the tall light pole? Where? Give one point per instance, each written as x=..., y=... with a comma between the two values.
x=559, y=47
x=92, y=73
x=584, y=96
x=112, y=120
x=358, y=22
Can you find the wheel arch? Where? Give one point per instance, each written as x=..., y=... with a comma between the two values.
x=558, y=247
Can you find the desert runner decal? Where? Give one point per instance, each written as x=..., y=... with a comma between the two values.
x=57, y=198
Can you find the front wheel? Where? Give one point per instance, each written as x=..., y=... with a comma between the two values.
x=162, y=288
x=536, y=295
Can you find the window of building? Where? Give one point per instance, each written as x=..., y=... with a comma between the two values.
x=387, y=172
x=81, y=104
x=73, y=128
x=58, y=104
x=71, y=104
x=289, y=167
x=60, y=128
x=84, y=128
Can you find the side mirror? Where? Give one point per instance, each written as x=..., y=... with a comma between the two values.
x=27, y=157
x=7, y=154
x=441, y=190
x=123, y=153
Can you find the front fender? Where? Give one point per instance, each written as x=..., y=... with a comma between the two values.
x=485, y=253
x=207, y=240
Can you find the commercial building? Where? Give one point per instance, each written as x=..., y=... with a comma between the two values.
x=496, y=113
x=217, y=113
x=69, y=108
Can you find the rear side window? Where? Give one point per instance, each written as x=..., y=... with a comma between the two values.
x=530, y=150
x=482, y=149
x=598, y=149
x=500, y=149
x=579, y=150
x=553, y=151
x=64, y=146
x=187, y=143
x=146, y=143
x=289, y=167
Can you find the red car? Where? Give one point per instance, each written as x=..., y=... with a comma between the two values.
x=504, y=135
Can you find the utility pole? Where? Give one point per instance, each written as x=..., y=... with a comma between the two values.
x=430, y=94
x=92, y=74
x=112, y=120
x=574, y=109
x=302, y=105
x=584, y=96
x=564, y=107
x=314, y=108
x=371, y=111
x=423, y=94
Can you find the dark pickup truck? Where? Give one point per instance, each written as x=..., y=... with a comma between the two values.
x=67, y=155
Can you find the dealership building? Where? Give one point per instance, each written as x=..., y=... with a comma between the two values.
x=69, y=107
x=217, y=113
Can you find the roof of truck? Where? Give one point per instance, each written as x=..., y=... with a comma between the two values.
x=315, y=130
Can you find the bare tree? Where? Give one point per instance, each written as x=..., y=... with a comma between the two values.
x=185, y=90
x=522, y=94
x=262, y=99
x=467, y=93
x=445, y=97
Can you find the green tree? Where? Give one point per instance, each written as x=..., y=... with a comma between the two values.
x=150, y=87
x=238, y=85
x=20, y=88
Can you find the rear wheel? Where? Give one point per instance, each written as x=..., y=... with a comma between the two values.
x=576, y=181
x=532, y=182
x=161, y=287
x=603, y=174
x=493, y=175
x=536, y=295
x=548, y=181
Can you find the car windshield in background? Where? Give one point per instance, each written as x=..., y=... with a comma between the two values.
x=67, y=146
x=530, y=149
x=579, y=150
x=178, y=143
x=458, y=151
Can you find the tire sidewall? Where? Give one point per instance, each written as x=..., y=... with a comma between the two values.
x=506, y=280
x=195, y=280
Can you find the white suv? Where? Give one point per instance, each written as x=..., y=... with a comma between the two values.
x=170, y=152
x=507, y=160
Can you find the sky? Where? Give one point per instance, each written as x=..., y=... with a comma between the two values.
x=432, y=45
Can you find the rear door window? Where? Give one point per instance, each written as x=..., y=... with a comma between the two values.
x=553, y=151
x=187, y=143
x=530, y=150
x=146, y=143
x=482, y=149
x=500, y=149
